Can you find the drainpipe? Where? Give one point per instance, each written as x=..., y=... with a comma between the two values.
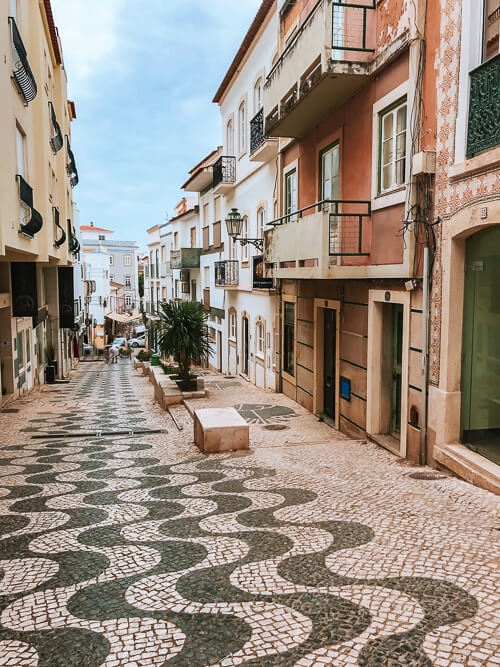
x=425, y=358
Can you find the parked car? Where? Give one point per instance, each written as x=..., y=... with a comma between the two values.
x=118, y=342
x=140, y=341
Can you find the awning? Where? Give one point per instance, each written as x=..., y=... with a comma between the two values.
x=117, y=317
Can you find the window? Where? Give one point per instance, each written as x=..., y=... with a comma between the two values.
x=329, y=163
x=261, y=221
x=491, y=14
x=128, y=301
x=193, y=237
x=111, y=260
x=230, y=137
x=112, y=278
x=232, y=326
x=193, y=290
x=260, y=335
x=128, y=281
x=102, y=237
x=258, y=95
x=21, y=151
x=127, y=260
x=289, y=338
x=176, y=240
x=392, y=158
x=206, y=215
x=291, y=193
x=217, y=209
x=206, y=272
x=244, y=235
x=242, y=122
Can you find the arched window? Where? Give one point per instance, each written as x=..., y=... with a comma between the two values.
x=230, y=137
x=258, y=92
x=244, y=235
x=261, y=221
x=242, y=122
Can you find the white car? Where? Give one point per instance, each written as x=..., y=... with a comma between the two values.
x=140, y=341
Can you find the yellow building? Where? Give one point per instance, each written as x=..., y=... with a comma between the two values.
x=37, y=174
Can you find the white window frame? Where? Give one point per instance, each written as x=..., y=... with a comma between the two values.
x=258, y=95
x=261, y=221
x=111, y=260
x=260, y=338
x=244, y=235
x=393, y=164
x=397, y=196
x=292, y=205
x=242, y=128
x=230, y=136
x=128, y=281
x=21, y=151
x=127, y=260
x=232, y=325
x=128, y=301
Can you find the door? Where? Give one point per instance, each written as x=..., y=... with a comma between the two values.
x=232, y=359
x=481, y=345
x=29, y=361
x=397, y=368
x=330, y=363
x=245, y=346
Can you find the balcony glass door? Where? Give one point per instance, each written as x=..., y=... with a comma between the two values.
x=481, y=345
x=329, y=173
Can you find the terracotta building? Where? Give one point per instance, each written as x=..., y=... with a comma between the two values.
x=346, y=96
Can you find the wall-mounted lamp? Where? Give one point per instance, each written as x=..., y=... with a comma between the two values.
x=234, y=225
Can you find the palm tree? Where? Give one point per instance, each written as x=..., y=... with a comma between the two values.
x=183, y=334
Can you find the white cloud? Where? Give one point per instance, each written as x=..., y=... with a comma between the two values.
x=89, y=33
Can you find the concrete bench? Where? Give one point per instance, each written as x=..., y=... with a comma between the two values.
x=220, y=430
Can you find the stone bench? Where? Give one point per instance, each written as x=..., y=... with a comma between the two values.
x=220, y=430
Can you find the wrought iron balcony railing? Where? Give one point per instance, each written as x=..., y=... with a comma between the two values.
x=32, y=221
x=21, y=70
x=257, y=136
x=224, y=170
x=484, y=107
x=227, y=273
x=73, y=242
x=347, y=219
x=71, y=169
x=57, y=141
x=62, y=238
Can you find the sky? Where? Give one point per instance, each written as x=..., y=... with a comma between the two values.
x=143, y=74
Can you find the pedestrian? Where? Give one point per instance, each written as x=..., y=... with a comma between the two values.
x=113, y=354
x=106, y=354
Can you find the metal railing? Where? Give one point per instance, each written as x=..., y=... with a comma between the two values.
x=33, y=221
x=349, y=25
x=346, y=222
x=224, y=170
x=62, y=238
x=23, y=76
x=57, y=141
x=71, y=169
x=484, y=106
x=257, y=136
x=227, y=273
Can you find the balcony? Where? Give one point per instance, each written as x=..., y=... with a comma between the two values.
x=71, y=169
x=59, y=231
x=227, y=273
x=326, y=240
x=325, y=64
x=21, y=70
x=484, y=102
x=31, y=220
x=185, y=258
x=57, y=141
x=224, y=174
x=262, y=148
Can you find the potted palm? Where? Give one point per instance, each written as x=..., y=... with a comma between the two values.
x=182, y=333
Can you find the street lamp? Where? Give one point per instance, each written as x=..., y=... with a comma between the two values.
x=234, y=225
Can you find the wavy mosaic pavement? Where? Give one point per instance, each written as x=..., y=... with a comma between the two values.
x=111, y=557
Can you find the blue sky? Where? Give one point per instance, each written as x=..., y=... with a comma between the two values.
x=143, y=74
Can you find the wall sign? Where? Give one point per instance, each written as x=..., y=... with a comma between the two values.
x=345, y=388
x=259, y=281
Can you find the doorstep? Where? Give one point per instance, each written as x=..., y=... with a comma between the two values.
x=470, y=466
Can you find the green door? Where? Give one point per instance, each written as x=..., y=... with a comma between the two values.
x=481, y=345
x=397, y=368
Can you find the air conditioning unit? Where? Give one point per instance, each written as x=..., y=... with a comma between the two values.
x=185, y=276
x=185, y=287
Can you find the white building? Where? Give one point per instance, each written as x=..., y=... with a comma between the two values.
x=245, y=177
x=122, y=263
x=97, y=294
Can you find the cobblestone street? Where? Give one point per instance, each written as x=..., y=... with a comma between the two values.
x=122, y=546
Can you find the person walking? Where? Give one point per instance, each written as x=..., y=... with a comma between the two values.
x=113, y=354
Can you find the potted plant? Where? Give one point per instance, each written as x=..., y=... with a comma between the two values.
x=182, y=333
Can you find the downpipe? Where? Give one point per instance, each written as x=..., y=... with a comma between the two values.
x=425, y=357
